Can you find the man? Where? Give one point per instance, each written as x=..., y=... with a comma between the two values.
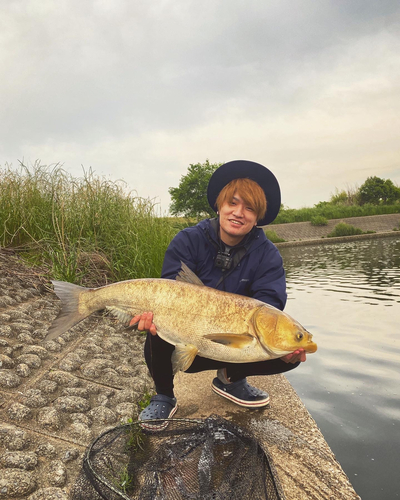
x=227, y=253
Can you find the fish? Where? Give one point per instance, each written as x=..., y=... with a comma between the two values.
x=196, y=319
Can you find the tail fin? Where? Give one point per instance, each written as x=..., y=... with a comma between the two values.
x=69, y=315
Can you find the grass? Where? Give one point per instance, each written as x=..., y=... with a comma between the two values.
x=318, y=220
x=81, y=227
x=343, y=229
x=272, y=236
x=333, y=211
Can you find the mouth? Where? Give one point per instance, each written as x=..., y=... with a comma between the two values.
x=235, y=222
x=311, y=347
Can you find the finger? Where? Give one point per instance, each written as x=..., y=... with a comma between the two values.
x=148, y=321
x=153, y=329
x=134, y=321
x=287, y=358
x=142, y=322
x=300, y=357
x=303, y=356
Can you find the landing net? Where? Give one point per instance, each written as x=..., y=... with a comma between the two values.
x=209, y=459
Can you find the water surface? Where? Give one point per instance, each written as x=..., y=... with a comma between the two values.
x=348, y=296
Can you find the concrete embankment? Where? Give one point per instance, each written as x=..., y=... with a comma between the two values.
x=305, y=233
x=57, y=396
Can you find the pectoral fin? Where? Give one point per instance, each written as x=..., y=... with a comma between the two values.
x=183, y=357
x=231, y=339
x=122, y=316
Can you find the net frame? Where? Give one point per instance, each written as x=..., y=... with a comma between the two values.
x=108, y=454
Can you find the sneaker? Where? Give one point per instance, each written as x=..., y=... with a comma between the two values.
x=241, y=393
x=160, y=408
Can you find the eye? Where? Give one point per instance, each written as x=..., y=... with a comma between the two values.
x=299, y=336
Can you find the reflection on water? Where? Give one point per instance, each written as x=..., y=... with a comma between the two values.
x=348, y=296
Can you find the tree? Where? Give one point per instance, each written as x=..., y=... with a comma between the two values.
x=190, y=197
x=379, y=191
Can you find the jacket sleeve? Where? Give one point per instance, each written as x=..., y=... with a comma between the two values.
x=270, y=283
x=181, y=249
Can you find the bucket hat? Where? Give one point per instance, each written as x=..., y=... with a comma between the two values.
x=239, y=169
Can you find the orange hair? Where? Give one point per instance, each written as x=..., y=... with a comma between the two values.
x=250, y=192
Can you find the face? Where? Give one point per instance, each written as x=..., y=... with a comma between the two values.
x=236, y=219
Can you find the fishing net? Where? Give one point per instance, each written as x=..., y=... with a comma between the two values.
x=209, y=459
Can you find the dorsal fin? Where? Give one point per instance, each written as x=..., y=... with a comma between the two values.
x=187, y=275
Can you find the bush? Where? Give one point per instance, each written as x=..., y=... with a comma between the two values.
x=319, y=220
x=343, y=229
x=272, y=236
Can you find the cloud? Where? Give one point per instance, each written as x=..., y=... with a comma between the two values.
x=141, y=90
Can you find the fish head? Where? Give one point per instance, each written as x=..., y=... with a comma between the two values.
x=280, y=334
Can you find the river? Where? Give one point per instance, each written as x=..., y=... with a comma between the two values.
x=348, y=296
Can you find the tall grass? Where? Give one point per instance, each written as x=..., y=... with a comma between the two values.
x=81, y=226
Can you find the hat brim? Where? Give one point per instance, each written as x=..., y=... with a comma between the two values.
x=239, y=169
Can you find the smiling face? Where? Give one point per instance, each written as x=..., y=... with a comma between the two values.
x=236, y=219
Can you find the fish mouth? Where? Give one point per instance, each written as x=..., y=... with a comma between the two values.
x=311, y=347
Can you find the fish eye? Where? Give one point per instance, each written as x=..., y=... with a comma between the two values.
x=299, y=336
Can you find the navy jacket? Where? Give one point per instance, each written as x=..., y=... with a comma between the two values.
x=259, y=274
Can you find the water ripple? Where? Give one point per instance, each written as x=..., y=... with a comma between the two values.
x=348, y=296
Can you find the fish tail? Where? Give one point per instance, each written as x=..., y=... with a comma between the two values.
x=71, y=313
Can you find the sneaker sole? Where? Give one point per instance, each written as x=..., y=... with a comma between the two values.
x=160, y=427
x=240, y=402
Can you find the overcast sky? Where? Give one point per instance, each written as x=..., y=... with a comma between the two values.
x=139, y=90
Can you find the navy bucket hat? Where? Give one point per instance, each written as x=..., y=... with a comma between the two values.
x=239, y=169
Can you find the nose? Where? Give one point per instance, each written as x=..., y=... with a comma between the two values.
x=238, y=210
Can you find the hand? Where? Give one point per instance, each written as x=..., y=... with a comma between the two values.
x=294, y=357
x=144, y=322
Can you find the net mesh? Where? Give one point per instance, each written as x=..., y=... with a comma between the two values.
x=189, y=459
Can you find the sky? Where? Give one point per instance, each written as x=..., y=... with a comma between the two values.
x=140, y=90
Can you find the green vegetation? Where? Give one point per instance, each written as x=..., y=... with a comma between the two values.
x=145, y=401
x=125, y=480
x=190, y=197
x=81, y=227
x=92, y=231
x=375, y=197
x=343, y=229
x=378, y=192
x=318, y=220
x=272, y=236
x=330, y=211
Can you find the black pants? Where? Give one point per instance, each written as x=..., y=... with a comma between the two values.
x=158, y=353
